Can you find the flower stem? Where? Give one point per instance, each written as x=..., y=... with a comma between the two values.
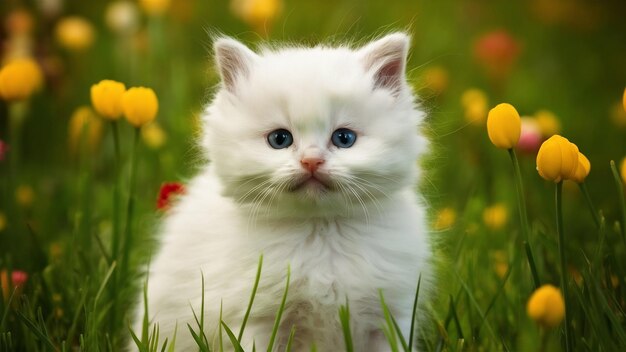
x=115, y=243
x=622, y=202
x=561, y=244
x=594, y=213
x=128, y=233
x=521, y=200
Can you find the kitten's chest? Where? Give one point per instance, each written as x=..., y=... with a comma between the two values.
x=332, y=259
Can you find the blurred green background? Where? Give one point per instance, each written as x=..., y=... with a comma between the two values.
x=561, y=63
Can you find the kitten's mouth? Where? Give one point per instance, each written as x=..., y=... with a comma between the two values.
x=311, y=182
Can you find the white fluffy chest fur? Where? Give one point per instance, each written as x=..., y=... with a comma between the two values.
x=331, y=260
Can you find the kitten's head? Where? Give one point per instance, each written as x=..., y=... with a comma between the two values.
x=314, y=130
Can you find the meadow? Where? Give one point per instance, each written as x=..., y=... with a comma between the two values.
x=82, y=188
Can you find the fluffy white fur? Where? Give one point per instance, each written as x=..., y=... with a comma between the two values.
x=365, y=231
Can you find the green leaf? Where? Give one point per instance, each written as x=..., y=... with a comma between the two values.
x=279, y=315
x=252, y=295
x=233, y=339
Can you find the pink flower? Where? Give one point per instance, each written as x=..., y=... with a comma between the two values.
x=18, y=279
x=530, y=138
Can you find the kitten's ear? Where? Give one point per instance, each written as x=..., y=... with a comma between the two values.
x=386, y=59
x=234, y=61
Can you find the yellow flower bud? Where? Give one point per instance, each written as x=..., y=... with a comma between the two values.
x=546, y=306
x=504, y=126
x=257, y=12
x=19, y=79
x=84, y=122
x=557, y=159
x=106, y=98
x=75, y=33
x=618, y=114
x=140, y=105
x=445, y=219
x=154, y=7
x=153, y=135
x=624, y=99
x=548, y=123
x=584, y=166
x=24, y=196
x=622, y=170
x=475, y=104
x=496, y=216
x=436, y=79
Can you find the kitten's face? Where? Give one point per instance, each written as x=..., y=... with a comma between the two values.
x=316, y=129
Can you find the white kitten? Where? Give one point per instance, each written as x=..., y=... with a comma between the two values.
x=312, y=164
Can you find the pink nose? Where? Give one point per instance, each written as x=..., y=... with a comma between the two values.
x=311, y=164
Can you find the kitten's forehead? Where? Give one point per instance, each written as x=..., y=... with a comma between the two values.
x=310, y=86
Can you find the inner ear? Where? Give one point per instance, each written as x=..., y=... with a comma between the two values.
x=385, y=58
x=234, y=61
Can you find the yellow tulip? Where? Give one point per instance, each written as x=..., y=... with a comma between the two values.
x=3, y=221
x=257, y=12
x=501, y=263
x=106, y=98
x=546, y=306
x=84, y=122
x=140, y=105
x=475, y=104
x=584, y=166
x=504, y=126
x=496, y=216
x=153, y=135
x=618, y=114
x=436, y=79
x=19, y=79
x=75, y=33
x=154, y=7
x=548, y=123
x=24, y=195
x=557, y=159
x=445, y=219
x=624, y=99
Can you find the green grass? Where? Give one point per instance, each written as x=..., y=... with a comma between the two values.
x=87, y=231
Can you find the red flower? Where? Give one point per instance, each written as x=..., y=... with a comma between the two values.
x=3, y=149
x=497, y=51
x=168, y=191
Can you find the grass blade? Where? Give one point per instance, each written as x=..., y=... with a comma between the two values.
x=388, y=329
x=344, y=317
x=405, y=346
x=37, y=331
x=199, y=341
x=292, y=333
x=414, y=313
x=140, y=346
x=172, y=346
x=252, y=295
x=280, y=313
x=231, y=336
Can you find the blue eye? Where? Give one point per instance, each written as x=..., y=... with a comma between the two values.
x=343, y=138
x=280, y=138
